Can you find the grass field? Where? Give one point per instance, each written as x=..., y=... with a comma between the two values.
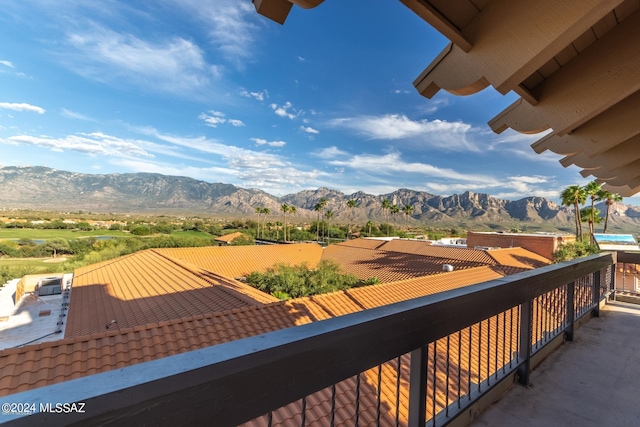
x=38, y=264
x=33, y=233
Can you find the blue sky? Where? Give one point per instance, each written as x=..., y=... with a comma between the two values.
x=214, y=91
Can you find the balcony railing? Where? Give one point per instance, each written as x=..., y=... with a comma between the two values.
x=423, y=360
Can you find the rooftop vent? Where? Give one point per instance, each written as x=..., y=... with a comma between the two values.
x=447, y=267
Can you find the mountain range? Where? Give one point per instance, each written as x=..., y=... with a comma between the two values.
x=43, y=188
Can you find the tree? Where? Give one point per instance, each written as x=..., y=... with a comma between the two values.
x=609, y=199
x=323, y=204
x=369, y=225
x=285, y=208
x=259, y=212
x=395, y=209
x=329, y=215
x=318, y=208
x=575, y=196
x=407, y=210
x=592, y=216
x=292, y=211
x=386, y=205
x=592, y=189
x=265, y=211
x=351, y=203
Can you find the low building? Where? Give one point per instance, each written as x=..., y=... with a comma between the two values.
x=540, y=243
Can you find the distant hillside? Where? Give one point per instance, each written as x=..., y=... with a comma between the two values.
x=43, y=188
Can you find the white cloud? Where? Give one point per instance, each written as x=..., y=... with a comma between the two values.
x=283, y=110
x=215, y=118
x=300, y=58
x=172, y=65
x=392, y=163
x=22, y=107
x=260, y=96
x=235, y=122
x=309, y=129
x=260, y=141
x=436, y=133
x=6, y=64
x=329, y=153
x=93, y=144
x=232, y=26
x=73, y=115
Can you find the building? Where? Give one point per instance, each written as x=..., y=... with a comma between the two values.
x=543, y=244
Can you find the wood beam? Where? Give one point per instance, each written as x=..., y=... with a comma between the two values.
x=438, y=21
x=276, y=10
x=601, y=76
x=618, y=156
x=510, y=41
x=609, y=129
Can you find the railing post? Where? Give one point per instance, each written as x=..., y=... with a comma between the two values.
x=526, y=310
x=418, y=387
x=571, y=314
x=596, y=294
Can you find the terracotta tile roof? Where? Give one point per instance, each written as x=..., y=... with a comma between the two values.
x=81, y=356
x=425, y=248
x=389, y=266
x=147, y=287
x=78, y=356
x=85, y=355
x=239, y=261
x=228, y=238
x=363, y=243
x=518, y=257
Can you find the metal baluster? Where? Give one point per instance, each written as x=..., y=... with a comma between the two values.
x=357, y=417
x=379, y=393
x=446, y=393
x=459, y=363
x=269, y=419
x=333, y=405
x=479, y=357
x=304, y=411
x=469, y=365
x=435, y=379
x=398, y=392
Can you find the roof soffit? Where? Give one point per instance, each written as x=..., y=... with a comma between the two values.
x=508, y=46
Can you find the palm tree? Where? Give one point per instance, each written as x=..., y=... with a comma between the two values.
x=285, y=208
x=592, y=216
x=329, y=216
x=395, y=209
x=609, y=199
x=259, y=212
x=292, y=210
x=592, y=189
x=351, y=203
x=369, y=225
x=574, y=196
x=265, y=211
x=386, y=205
x=318, y=208
x=408, y=210
x=278, y=225
x=323, y=204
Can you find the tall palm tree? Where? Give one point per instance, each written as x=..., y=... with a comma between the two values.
x=592, y=189
x=591, y=216
x=574, y=196
x=609, y=199
x=259, y=212
x=369, y=225
x=351, y=203
x=285, y=208
x=329, y=215
x=265, y=211
x=407, y=210
x=395, y=209
x=292, y=211
x=318, y=208
x=323, y=204
x=386, y=205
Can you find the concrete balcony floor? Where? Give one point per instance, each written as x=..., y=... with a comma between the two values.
x=592, y=381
